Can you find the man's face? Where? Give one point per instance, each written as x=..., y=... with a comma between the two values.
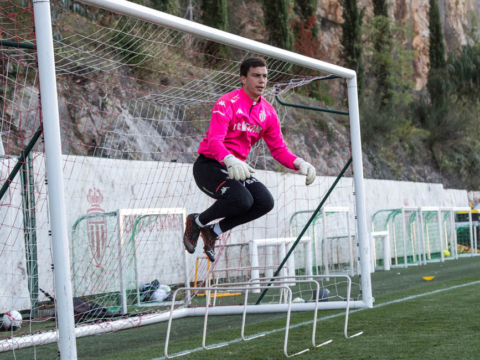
x=255, y=82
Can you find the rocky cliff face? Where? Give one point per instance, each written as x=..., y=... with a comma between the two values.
x=454, y=15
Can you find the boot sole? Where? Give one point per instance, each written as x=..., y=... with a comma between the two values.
x=209, y=256
x=188, y=246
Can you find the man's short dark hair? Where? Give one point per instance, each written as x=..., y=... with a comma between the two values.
x=251, y=62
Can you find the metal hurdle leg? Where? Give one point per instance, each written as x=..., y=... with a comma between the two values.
x=204, y=339
x=237, y=286
x=244, y=321
x=347, y=311
x=285, y=346
x=261, y=286
x=316, y=302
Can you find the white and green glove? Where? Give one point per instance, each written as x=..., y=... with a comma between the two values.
x=305, y=169
x=237, y=169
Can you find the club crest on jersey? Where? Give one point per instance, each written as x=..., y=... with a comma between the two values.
x=262, y=116
x=221, y=102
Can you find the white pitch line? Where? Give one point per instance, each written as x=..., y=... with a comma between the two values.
x=326, y=318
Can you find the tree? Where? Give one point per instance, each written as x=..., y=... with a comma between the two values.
x=386, y=101
x=275, y=15
x=168, y=6
x=352, y=39
x=305, y=10
x=463, y=69
x=306, y=30
x=437, y=80
x=382, y=55
x=441, y=113
x=380, y=8
x=214, y=14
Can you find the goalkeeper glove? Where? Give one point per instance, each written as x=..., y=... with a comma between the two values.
x=237, y=169
x=305, y=169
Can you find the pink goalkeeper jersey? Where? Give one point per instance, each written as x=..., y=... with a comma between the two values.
x=238, y=123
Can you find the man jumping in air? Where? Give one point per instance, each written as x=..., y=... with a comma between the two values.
x=239, y=119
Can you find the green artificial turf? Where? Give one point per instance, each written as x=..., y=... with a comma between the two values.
x=442, y=325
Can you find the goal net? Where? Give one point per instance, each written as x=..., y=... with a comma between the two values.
x=416, y=236
x=118, y=259
x=401, y=228
x=135, y=98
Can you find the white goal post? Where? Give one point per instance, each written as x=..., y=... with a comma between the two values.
x=178, y=200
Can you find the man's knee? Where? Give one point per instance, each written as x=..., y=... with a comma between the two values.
x=266, y=203
x=269, y=203
x=244, y=202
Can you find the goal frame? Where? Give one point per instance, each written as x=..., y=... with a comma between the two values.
x=121, y=241
x=141, y=213
x=421, y=241
x=323, y=218
x=50, y=115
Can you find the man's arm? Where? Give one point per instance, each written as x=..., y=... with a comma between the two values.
x=278, y=148
x=219, y=123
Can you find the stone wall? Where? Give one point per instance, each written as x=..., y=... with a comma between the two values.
x=99, y=184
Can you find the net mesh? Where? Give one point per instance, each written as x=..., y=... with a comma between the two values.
x=403, y=234
x=429, y=233
x=463, y=238
x=134, y=102
x=432, y=230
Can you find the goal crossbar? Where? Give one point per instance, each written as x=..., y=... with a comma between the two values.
x=174, y=22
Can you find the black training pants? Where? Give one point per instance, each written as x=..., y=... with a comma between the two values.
x=238, y=202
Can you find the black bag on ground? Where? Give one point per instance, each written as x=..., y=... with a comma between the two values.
x=83, y=310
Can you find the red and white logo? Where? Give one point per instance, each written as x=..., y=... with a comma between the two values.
x=97, y=226
x=262, y=116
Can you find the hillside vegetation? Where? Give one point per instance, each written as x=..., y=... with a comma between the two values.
x=428, y=135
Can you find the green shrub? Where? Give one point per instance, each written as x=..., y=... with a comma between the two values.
x=276, y=18
x=352, y=52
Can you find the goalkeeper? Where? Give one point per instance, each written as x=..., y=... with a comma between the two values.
x=239, y=119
